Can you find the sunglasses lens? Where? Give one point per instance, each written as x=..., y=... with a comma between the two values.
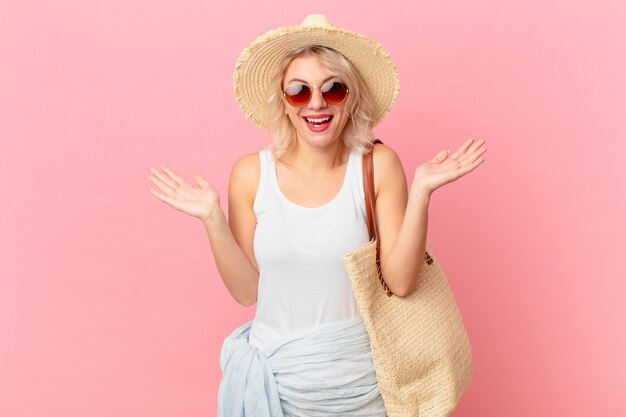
x=334, y=92
x=297, y=95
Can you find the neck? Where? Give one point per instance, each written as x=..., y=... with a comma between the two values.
x=316, y=159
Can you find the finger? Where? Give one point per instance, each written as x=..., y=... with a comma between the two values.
x=471, y=152
x=441, y=156
x=469, y=168
x=163, y=178
x=467, y=162
x=165, y=198
x=479, y=144
x=177, y=178
x=476, y=154
x=201, y=181
x=462, y=149
x=162, y=185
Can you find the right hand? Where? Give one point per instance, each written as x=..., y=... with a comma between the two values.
x=198, y=200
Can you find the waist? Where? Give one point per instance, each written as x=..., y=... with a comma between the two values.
x=282, y=313
x=329, y=367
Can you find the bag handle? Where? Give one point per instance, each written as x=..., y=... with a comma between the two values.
x=368, y=187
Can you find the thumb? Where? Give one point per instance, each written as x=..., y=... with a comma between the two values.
x=201, y=181
x=441, y=156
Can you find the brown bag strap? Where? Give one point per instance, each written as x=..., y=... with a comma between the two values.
x=368, y=187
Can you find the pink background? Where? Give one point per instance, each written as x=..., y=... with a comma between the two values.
x=110, y=302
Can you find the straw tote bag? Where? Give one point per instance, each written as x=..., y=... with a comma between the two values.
x=420, y=347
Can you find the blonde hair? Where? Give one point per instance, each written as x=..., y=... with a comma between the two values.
x=357, y=132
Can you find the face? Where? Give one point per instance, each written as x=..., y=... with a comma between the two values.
x=317, y=122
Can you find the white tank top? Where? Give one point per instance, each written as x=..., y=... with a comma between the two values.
x=299, y=250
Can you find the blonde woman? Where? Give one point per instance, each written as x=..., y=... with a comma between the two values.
x=297, y=207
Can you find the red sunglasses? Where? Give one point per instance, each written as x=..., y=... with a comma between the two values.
x=333, y=92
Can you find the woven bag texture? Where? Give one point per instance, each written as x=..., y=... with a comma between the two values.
x=420, y=347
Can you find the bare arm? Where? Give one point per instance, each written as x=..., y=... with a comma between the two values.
x=401, y=224
x=402, y=218
x=232, y=242
x=231, y=245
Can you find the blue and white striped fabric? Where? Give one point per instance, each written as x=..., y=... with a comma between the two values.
x=326, y=371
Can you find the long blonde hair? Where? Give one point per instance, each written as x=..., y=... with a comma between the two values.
x=359, y=106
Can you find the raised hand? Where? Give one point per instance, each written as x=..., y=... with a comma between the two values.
x=198, y=199
x=445, y=168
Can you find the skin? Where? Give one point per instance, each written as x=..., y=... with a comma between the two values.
x=312, y=171
x=310, y=174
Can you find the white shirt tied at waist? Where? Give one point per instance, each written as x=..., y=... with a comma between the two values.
x=324, y=371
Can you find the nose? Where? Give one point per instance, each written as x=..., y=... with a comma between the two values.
x=317, y=100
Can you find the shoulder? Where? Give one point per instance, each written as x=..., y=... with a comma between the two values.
x=245, y=176
x=385, y=157
x=249, y=164
x=388, y=168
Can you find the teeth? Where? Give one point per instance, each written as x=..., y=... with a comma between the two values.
x=318, y=121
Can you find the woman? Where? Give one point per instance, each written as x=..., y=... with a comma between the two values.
x=296, y=208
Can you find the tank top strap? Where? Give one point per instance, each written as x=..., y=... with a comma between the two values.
x=356, y=181
x=260, y=201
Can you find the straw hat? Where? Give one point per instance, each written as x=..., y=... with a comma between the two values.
x=258, y=62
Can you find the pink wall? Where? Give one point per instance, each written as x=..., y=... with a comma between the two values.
x=110, y=302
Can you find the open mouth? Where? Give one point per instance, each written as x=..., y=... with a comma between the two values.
x=317, y=122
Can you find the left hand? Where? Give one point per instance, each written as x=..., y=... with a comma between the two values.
x=445, y=168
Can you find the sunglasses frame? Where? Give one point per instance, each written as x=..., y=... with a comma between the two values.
x=311, y=88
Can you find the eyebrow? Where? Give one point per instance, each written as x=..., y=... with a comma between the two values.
x=305, y=82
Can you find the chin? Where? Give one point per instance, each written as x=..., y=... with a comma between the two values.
x=320, y=140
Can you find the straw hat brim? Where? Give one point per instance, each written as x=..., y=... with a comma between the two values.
x=259, y=61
